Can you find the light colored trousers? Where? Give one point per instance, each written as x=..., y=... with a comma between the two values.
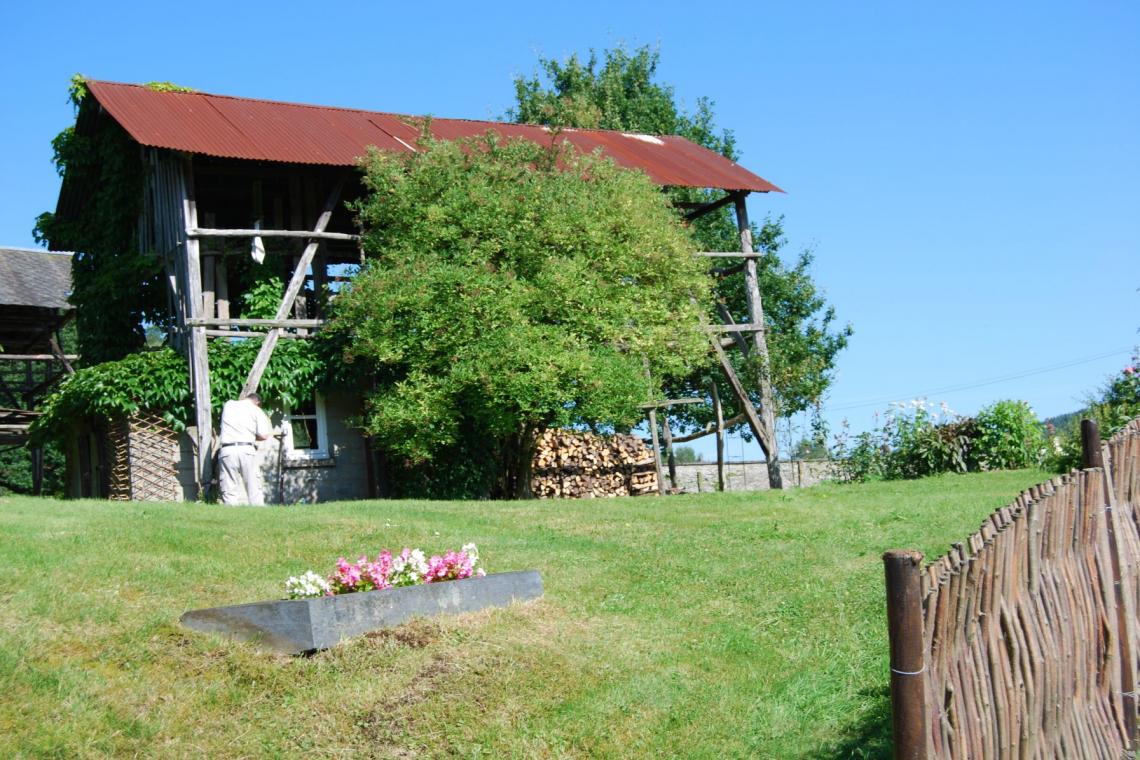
x=238, y=465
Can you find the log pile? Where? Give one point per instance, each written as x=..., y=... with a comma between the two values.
x=573, y=465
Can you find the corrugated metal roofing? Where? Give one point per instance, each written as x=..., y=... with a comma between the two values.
x=34, y=278
x=264, y=130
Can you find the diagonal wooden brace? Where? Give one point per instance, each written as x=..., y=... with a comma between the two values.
x=291, y=292
x=759, y=429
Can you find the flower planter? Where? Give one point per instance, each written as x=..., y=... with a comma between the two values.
x=295, y=626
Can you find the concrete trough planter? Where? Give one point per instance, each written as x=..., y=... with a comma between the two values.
x=295, y=626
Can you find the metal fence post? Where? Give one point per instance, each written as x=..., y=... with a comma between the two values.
x=904, y=625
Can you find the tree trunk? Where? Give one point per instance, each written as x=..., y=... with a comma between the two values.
x=518, y=464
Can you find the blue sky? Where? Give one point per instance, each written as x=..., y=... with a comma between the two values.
x=966, y=173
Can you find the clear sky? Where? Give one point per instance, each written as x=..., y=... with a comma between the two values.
x=966, y=173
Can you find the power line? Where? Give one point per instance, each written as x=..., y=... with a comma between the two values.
x=982, y=383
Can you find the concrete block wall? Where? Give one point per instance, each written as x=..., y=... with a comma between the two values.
x=751, y=476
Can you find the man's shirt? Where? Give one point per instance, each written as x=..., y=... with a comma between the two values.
x=243, y=422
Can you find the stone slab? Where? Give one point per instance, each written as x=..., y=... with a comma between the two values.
x=295, y=626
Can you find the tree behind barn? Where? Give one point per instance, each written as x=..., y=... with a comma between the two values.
x=619, y=91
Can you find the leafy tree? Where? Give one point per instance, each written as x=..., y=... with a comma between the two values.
x=617, y=90
x=511, y=287
x=686, y=455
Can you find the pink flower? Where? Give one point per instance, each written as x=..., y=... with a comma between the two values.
x=1129, y=370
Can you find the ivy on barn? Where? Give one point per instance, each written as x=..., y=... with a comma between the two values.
x=116, y=288
x=158, y=382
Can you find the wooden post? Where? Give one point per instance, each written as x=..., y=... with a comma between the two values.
x=1091, y=455
x=221, y=285
x=670, y=459
x=904, y=626
x=760, y=341
x=199, y=361
x=37, y=471
x=656, y=451
x=286, y=305
x=719, y=412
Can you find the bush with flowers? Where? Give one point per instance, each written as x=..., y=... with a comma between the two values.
x=917, y=439
x=407, y=568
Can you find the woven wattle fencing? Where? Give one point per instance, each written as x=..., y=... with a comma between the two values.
x=142, y=450
x=1021, y=641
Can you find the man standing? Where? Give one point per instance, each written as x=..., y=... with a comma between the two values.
x=243, y=425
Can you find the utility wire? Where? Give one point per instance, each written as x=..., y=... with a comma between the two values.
x=982, y=383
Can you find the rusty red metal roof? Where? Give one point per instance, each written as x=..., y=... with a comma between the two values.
x=265, y=130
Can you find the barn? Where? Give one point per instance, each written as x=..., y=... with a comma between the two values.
x=227, y=178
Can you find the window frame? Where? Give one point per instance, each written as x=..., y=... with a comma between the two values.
x=322, y=450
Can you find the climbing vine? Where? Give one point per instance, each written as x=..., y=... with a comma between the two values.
x=116, y=288
x=158, y=382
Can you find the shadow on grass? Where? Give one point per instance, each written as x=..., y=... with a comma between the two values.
x=870, y=738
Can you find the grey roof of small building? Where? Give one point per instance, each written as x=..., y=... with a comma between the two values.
x=34, y=278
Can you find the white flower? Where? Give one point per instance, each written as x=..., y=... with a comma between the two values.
x=471, y=551
x=308, y=586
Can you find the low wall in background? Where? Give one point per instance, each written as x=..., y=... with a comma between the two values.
x=700, y=477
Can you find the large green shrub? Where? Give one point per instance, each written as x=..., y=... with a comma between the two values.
x=1009, y=436
x=511, y=287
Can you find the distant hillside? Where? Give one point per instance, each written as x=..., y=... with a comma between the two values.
x=1064, y=421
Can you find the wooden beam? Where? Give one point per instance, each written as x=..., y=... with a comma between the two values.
x=735, y=328
x=671, y=402
x=298, y=279
x=199, y=361
x=203, y=232
x=251, y=334
x=754, y=420
x=719, y=412
x=221, y=275
x=38, y=357
x=700, y=209
x=708, y=429
x=652, y=415
x=728, y=254
x=737, y=336
x=670, y=459
x=727, y=271
x=282, y=323
x=656, y=451
x=760, y=342
x=57, y=351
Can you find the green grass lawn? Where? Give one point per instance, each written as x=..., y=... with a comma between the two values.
x=713, y=625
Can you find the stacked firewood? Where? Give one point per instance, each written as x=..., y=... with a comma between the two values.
x=573, y=465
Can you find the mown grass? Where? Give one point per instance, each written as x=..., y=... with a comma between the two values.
x=714, y=625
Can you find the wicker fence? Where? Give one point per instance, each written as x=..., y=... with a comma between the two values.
x=142, y=450
x=1021, y=641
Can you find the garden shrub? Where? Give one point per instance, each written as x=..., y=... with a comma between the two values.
x=1117, y=403
x=917, y=439
x=1009, y=436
